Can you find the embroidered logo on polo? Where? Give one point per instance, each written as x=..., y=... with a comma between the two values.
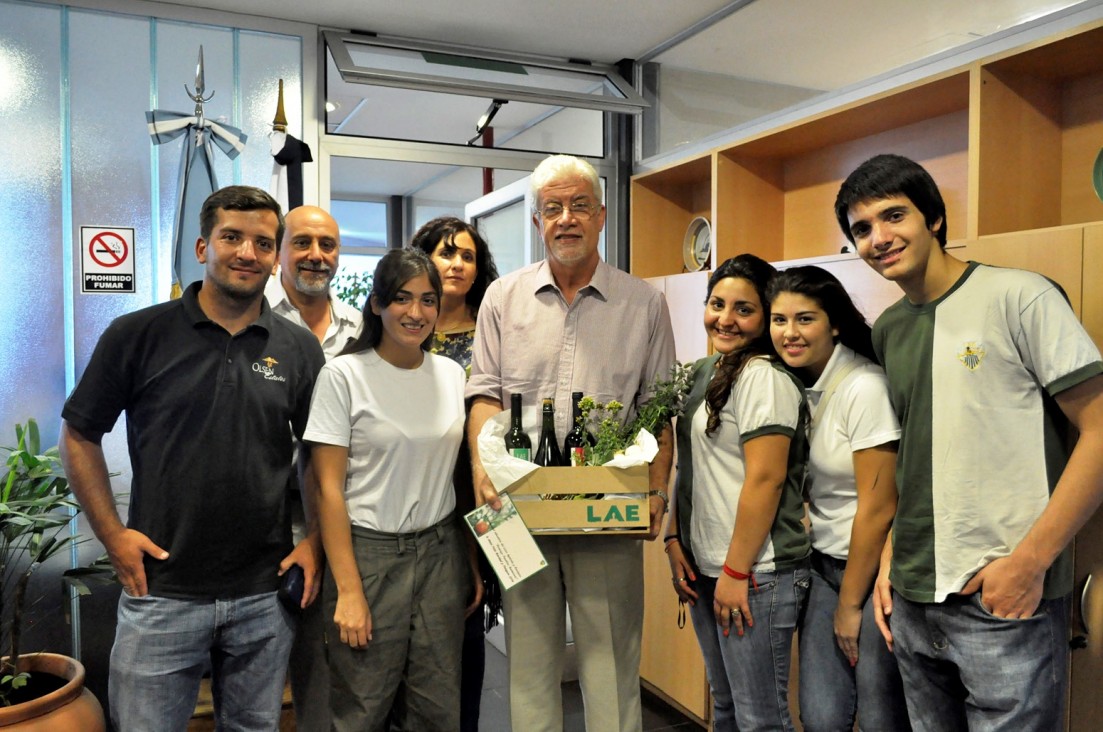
x=267, y=367
x=972, y=356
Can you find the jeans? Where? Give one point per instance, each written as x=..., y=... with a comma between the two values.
x=831, y=690
x=965, y=669
x=749, y=674
x=163, y=645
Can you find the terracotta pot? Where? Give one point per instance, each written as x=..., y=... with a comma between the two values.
x=72, y=707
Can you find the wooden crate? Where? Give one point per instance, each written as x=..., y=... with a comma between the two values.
x=603, y=516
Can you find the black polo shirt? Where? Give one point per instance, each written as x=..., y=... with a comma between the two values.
x=210, y=418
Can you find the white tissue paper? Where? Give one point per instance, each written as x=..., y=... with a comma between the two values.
x=504, y=470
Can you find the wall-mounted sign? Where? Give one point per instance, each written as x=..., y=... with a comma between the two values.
x=107, y=259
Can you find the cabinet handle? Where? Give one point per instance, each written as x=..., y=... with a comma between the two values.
x=1083, y=605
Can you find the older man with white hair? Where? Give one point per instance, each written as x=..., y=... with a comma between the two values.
x=573, y=323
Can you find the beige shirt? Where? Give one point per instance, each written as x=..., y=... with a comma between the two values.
x=610, y=343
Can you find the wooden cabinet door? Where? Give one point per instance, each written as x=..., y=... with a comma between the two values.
x=1086, y=703
x=1055, y=253
x=671, y=664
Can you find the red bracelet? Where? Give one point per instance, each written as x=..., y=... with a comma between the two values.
x=735, y=575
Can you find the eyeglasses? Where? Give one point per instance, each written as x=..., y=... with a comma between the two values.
x=578, y=209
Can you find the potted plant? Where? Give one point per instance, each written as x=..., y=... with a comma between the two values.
x=36, y=507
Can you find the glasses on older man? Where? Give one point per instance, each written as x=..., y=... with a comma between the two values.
x=581, y=209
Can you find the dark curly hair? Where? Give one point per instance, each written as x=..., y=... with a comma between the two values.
x=445, y=228
x=759, y=273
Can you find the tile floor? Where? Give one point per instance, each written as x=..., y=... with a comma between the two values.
x=494, y=716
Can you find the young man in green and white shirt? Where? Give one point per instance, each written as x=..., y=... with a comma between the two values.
x=987, y=367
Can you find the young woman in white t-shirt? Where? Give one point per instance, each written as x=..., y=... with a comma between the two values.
x=845, y=667
x=385, y=427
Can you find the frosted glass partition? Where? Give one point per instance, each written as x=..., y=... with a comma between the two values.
x=74, y=89
x=32, y=359
x=109, y=144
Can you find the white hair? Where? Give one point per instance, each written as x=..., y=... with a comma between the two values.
x=562, y=166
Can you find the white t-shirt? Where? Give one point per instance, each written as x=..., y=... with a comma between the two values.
x=858, y=416
x=403, y=429
x=763, y=401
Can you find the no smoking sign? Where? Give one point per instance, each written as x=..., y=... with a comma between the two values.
x=107, y=259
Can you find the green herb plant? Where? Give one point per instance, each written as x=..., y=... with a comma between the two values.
x=666, y=402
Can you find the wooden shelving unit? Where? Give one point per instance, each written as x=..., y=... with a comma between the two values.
x=1010, y=139
x=775, y=193
x=662, y=206
x=1040, y=127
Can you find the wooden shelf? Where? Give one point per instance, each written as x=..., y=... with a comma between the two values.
x=663, y=205
x=1040, y=129
x=773, y=195
x=1011, y=141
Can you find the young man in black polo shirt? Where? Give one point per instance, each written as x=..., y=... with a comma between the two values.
x=213, y=386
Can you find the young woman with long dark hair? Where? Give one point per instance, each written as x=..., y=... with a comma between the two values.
x=845, y=668
x=385, y=425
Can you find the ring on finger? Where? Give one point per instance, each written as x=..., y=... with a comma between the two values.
x=678, y=580
x=735, y=612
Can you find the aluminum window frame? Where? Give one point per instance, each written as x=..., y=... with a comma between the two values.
x=337, y=43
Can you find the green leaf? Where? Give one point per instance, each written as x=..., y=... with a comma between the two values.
x=32, y=430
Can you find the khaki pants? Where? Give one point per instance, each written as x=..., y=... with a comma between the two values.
x=601, y=579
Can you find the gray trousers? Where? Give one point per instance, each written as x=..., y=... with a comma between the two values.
x=408, y=677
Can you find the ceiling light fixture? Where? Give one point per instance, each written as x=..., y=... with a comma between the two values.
x=486, y=119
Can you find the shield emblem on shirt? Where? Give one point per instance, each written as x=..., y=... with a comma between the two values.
x=972, y=356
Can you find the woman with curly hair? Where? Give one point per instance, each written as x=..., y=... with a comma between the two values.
x=739, y=552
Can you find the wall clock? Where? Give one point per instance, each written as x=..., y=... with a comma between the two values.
x=697, y=245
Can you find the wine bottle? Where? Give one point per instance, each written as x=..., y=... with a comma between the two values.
x=547, y=451
x=576, y=441
x=518, y=443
